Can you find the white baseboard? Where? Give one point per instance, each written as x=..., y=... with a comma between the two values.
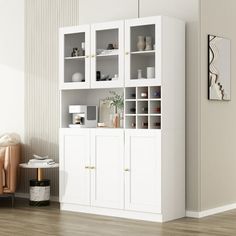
x=112, y=212
x=26, y=195
x=209, y=212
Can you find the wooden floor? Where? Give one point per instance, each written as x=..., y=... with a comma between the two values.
x=33, y=221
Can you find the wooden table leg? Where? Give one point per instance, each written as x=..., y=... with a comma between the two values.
x=39, y=174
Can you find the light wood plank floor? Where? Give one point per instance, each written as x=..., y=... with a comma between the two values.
x=33, y=221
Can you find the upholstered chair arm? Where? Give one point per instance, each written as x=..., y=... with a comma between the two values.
x=12, y=160
x=1, y=180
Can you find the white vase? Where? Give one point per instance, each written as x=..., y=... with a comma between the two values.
x=139, y=74
x=150, y=72
x=77, y=77
x=148, y=43
x=141, y=43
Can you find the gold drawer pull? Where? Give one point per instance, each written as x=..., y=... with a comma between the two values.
x=127, y=53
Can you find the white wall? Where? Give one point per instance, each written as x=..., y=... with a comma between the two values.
x=93, y=11
x=218, y=130
x=12, y=66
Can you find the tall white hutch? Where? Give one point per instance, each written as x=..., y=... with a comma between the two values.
x=137, y=171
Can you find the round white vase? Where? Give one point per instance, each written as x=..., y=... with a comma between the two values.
x=77, y=77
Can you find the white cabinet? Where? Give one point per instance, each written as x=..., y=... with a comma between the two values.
x=143, y=63
x=138, y=171
x=107, y=60
x=94, y=52
x=74, y=160
x=143, y=170
x=91, y=167
x=107, y=179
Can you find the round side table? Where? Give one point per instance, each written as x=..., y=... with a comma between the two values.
x=39, y=187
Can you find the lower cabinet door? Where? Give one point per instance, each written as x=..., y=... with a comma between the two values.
x=143, y=170
x=107, y=177
x=74, y=160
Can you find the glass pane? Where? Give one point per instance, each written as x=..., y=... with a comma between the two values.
x=142, y=57
x=74, y=61
x=107, y=55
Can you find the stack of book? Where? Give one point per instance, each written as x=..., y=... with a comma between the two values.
x=44, y=162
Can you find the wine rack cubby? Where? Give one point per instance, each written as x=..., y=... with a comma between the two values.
x=143, y=107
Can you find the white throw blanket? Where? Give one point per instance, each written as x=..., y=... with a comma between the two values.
x=9, y=139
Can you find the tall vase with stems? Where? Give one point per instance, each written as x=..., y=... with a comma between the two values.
x=116, y=118
x=116, y=102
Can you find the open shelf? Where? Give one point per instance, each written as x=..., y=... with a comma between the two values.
x=155, y=107
x=142, y=122
x=144, y=53
x=130, y=93
x=155, y=92
x=143, y=107
x=130, y=107
x=130, y=122
x=155, y=122
x=75, y=58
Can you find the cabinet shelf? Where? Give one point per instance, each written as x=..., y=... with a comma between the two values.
x=155, y=114
x=130, y=99
x=107, y=55
x=154, y=99
x=144, y=53
x=75, y=58
x=142, y=99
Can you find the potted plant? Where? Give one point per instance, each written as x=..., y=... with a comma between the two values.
x=117, y=102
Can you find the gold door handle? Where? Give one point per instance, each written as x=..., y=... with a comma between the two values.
x=87, y=167
x=93, y=55
x=127, y=53
x=87, y=56
x=127, y=170
x=92, y=168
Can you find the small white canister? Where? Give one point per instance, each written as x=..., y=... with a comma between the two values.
x=150, y=72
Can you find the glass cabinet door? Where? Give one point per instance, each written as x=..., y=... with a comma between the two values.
x=74, y=57
x=143, y=51
x=107, y=55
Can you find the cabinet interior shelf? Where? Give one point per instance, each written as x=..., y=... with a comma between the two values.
x=154, y=99
x=107, y=55
x=144, y=53
x=142, y=99
x=143, y=79
x=75, y=58
x=130, y=99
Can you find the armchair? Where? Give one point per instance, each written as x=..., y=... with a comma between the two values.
x=9, y=162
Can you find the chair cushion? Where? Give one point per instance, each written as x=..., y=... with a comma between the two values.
x=3, y=178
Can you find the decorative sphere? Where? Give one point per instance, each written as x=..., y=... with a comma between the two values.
x=77, y=77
